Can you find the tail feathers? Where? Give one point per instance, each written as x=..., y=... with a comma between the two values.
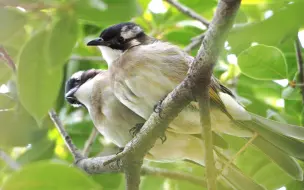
x=288, y=130
x=290, y=146
x=285, y=162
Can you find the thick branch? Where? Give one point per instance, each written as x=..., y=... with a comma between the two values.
x=186, y=10
x=9, y=161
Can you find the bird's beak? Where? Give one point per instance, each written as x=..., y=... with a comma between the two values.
x=97, y=42
x=69, y=96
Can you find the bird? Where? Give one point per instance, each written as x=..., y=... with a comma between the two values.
x=92, y=89
x=143, y=70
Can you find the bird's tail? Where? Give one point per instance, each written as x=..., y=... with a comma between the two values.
x=280, y=142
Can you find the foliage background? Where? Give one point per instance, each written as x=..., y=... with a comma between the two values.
x=47, y=41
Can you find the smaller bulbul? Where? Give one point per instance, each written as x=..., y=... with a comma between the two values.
x=92, y=89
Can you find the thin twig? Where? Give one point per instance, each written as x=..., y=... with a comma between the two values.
x=9, y=161
x=5, y=56
x=146, y=170
x=88, y=144
x=239, y=152
x=186, y=10
x=67, y=139
x=194, y=44
x=86, y=58
x=300, y=66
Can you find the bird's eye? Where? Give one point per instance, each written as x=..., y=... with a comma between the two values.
x=121, y=39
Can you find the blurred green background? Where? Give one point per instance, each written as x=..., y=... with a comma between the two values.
x=47, y=41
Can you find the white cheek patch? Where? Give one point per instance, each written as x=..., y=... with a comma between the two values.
x=83, y=94
x=234, y=108
x=109, y=54
x=130, y=33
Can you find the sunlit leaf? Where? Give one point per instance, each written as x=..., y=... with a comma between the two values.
x=62, y=39
x=263, y=62
x=12, y=20
x=49, y=176
x=38, y=86
x=106, y=12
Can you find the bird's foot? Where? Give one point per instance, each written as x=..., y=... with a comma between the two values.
x=158, y=107
x=133, y=131
x=163, y=138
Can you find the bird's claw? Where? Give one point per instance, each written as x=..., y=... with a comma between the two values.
x=158, y=107
x=163, y=138
x=133, y=131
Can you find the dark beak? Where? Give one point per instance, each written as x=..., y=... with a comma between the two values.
x=69, y=96
x=97, y=42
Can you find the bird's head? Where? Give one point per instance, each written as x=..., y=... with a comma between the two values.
x=79, y=87
x=116, y=39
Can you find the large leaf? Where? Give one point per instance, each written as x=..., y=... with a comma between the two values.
x=38, y=86
x=12, y=20
x=106, y=12
x=40, y=150
x=268, y=31
x=62, y=39
x=6, y=101
x=263, y=62
x=49, y=176
x=17, y=128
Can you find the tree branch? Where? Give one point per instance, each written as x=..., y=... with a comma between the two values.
x=9, y=161
x=5, y=56
x=187, y=11
x=88, y=144
x=67, y=139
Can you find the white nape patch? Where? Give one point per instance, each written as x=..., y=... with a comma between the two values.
x=234, y=108
x=109, y=54
x=77, y=75
x=128, y=33
x=83, y=94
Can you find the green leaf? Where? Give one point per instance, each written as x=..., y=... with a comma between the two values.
x=12, y=20
x=106, y=12
x=152, y=183
x=40, y=150
x=62, y=39
x=18, y=128
x=38, y=86
x=5, y=72
x=6, y=102
x=263, y=62
x=109, y=181
x=49, y=176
